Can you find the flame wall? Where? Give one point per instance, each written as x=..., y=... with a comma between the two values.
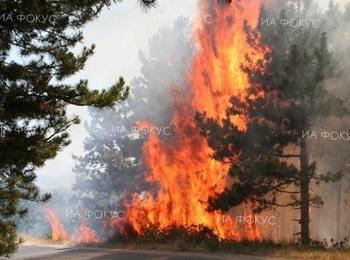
x=182, y=165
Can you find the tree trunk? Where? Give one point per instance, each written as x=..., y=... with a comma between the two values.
x=339, y=199
x=304, y=190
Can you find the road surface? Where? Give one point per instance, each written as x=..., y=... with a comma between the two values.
x=71, y=253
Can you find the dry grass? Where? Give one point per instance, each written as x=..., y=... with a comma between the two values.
x=289, y=252
x=202, y=240
x=319, y=254
x=34, y=240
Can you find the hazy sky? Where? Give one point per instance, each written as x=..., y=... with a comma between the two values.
x=119, y=34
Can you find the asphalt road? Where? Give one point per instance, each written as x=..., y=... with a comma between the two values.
x=71, y=253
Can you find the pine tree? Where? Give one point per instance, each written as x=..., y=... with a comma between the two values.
x=36, y=41
x=271, y=156
x=111, y=170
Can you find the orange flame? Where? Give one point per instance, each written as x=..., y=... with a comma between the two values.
x=222, y=44
x=58, y=233
x=251, y=228
x=183, y=166
x=86, y=235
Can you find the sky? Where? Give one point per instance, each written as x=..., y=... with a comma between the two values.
x=119, y=34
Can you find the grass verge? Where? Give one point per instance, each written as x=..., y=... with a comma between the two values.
x=202, y=239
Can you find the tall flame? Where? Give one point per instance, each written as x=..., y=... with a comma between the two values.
x=58, y=232
x=183, y=165
x=222, y=49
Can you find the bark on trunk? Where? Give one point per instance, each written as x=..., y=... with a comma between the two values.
x=339, y=199
x=304, y=189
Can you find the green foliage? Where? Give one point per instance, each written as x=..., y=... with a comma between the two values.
x=276, y=121
x=35, y=59
x=111, y=168
x=271, y=156
x=8, y=240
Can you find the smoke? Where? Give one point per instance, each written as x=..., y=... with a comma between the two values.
x=331, y=148
x=329, y=136
x=112, y=168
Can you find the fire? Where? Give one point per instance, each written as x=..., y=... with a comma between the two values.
x=182, y=165
x=222, y=44
x=86, y=235
x=58, y=233
x=251, y=229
